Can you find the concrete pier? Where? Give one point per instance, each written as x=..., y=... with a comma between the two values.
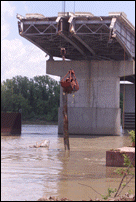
x=94, y=109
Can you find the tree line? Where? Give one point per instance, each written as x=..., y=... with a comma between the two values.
x=37, y=98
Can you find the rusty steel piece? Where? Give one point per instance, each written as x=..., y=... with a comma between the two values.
x=70, y=83
x=65, y=122
x=10, y=123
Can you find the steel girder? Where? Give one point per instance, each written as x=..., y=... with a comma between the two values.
x=82, y=37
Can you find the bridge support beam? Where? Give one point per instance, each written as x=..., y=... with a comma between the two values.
x=94, y=109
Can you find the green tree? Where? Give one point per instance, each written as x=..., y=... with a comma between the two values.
x=38, y=97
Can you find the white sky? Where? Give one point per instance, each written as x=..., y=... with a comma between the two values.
x=19, y=56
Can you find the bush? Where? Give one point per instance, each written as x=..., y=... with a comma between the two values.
x=132, y=136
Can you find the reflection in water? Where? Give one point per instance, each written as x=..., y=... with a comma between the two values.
x=30, y=173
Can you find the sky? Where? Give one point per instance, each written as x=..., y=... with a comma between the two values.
x=21, y=57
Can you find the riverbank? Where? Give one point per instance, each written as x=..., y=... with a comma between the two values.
x=38, y=122
x=126, y=197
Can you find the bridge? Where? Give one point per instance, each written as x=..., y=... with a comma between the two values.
x=101, y=50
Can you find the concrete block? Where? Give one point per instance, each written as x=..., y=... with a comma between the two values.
x=115, y=158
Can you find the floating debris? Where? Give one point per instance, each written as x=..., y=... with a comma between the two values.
x=44, y=143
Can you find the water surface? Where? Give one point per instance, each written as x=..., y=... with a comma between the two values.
x=30, y=173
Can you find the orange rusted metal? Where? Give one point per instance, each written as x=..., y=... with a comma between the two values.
x=69, y=83
x=10, y=123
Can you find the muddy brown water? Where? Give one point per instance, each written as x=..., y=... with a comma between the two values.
x=30, y=173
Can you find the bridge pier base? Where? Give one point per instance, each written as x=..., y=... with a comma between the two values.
x=91, y=121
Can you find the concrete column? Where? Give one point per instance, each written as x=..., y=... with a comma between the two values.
x=129, y=105
x=94, y=109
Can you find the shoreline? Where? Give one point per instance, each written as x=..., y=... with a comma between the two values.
x=126, y=197
x=39, y=122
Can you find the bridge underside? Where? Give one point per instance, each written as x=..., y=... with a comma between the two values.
x=84, y=36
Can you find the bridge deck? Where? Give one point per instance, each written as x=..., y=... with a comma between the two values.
x=84, y=36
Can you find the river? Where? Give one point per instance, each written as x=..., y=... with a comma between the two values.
x=30, y=173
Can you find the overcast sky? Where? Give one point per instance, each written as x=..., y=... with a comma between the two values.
x=19, y=56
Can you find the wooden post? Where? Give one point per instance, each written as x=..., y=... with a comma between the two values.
x=65, y=121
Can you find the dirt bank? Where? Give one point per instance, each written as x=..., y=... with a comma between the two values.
x=126, y=197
